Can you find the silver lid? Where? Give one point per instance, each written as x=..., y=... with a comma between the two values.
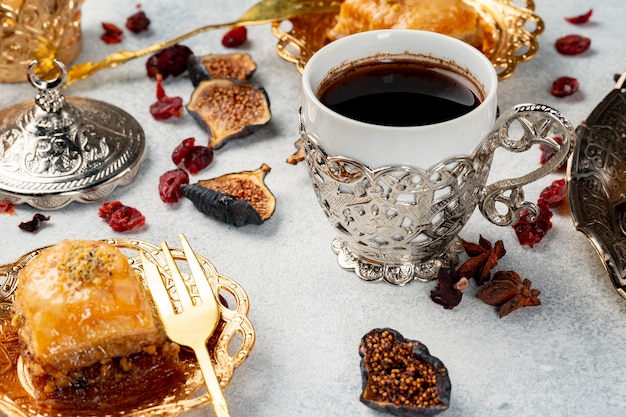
x=63, y=149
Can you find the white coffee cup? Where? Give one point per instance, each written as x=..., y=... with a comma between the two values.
x=418, y=146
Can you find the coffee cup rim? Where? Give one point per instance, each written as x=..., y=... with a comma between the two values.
x=492, y=78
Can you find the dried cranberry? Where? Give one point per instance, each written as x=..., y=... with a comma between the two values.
x=169, y=61
x=165, y=107
x=120, y=217
x=572, y=44
x=34, y=224
x=126, y=218
x=138, y=22
x=179, y=152
x=530, y=233
x=169, y=185
x=198, y=158
x=547, y=152
x=235, y=37
x=583, y=18
x=554, y=194
x=564, y=86
x=106, y=210
x=112, y=33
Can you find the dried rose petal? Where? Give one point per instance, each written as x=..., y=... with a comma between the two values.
x=169, y=61
x=165, y=107
x=112, y=33
x=531, y=233
x=554, y=194
x=583, y=18
x=572, y=44
x=138, y=22
x=446, y=293
x=235, y=37
x=564, y=86
x=34, y=224
x=179, y=152
x=169, y=185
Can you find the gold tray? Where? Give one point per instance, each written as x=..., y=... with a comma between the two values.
x=513, y=33
x=229, y=346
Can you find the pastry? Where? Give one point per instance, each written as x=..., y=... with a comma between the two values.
x=89, y=335
x=450, y=17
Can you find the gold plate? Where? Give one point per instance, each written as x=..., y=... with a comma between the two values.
x=229, y=346
x=512, y=30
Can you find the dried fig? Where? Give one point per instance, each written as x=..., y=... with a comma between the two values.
x=229, y=109
x=238, y=198
x=401, y=377
x=237, y=66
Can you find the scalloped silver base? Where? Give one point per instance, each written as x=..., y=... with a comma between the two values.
x=395, y=273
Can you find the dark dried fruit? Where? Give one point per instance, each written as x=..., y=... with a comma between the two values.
x=508, y=292
x=235, y=37
x=120, y=217
x=554, y=194
x=169, y=61
x=531, y=232
x=34, y=224
x=483, y=258
x=165, y=106
x=572, y=44
x=238, y=199
x=400, y=376
x=564, y=86
x=447, y=293
x=170, y=183
x=236, y=66
x=583, y=18
x=229, y=109
x=112, y=33
x=138, y=22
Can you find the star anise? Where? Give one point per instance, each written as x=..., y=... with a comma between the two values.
x=508, y=292
x=483, y=258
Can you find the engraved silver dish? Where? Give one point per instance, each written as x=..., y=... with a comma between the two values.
x=596, y=182
x=58, y=149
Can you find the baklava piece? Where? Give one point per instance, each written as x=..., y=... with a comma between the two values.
x=89, y=336
x=449, y=17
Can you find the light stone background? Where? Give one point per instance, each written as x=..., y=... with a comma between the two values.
x=564, y=358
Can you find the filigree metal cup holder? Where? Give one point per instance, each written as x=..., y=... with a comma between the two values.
x=400, y=223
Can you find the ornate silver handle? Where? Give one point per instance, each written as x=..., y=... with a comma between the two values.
x=537, y=124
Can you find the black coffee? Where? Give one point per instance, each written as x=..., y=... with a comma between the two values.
x=399, y=93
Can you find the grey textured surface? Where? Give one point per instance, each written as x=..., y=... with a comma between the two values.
x=563, y=358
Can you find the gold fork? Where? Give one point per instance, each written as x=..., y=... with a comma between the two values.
x=196, y=322
x=265, y=11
